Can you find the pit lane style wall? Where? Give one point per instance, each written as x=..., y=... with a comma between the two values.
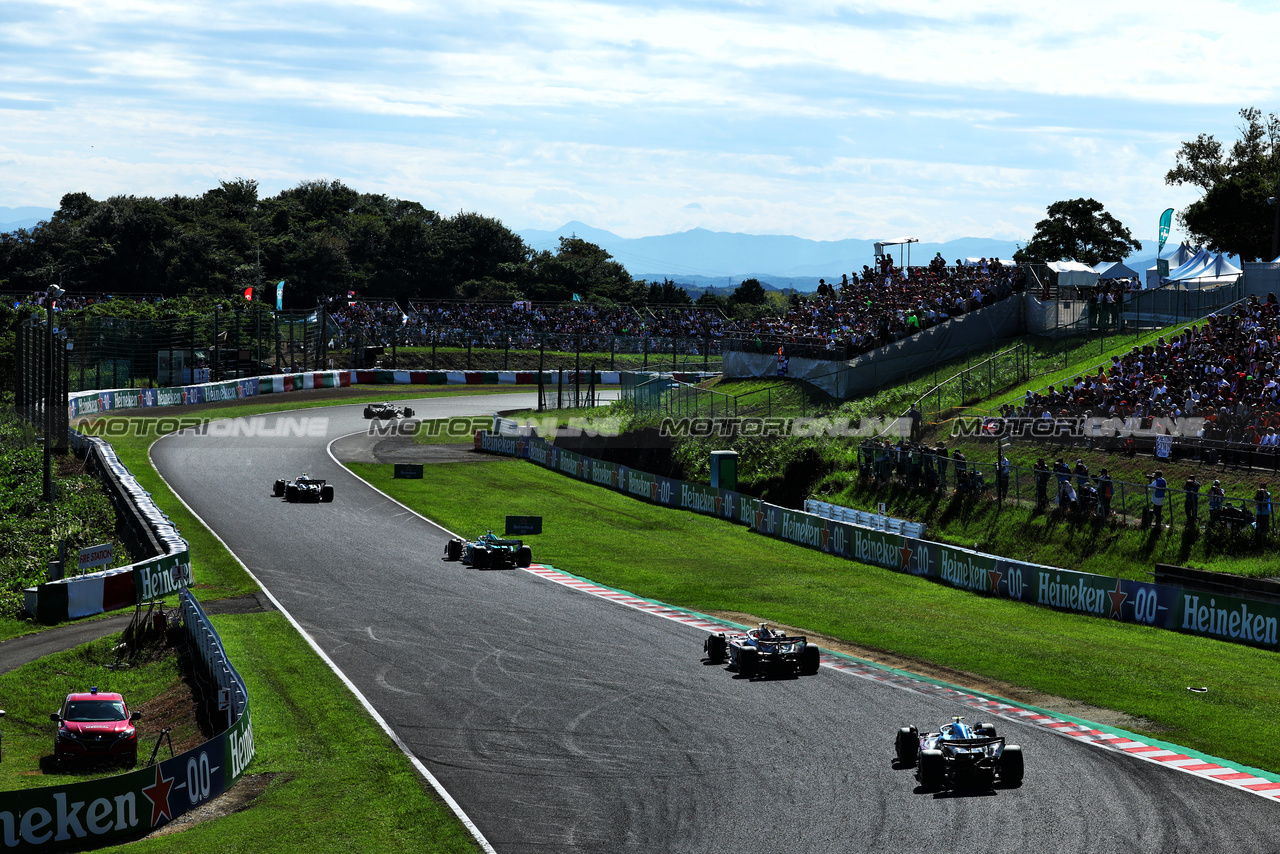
x=1228, y=618
x=115, y=809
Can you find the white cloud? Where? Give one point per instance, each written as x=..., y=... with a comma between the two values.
x=813, y=118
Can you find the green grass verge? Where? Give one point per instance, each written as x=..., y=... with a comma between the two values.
x=340, y=783
x=33, y=691
x=707, y=565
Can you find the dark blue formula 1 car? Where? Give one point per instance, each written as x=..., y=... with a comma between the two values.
x=959, y=756
x=489, y=551
x=763, y=652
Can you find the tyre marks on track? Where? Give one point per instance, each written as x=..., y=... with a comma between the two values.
x=1220, y=771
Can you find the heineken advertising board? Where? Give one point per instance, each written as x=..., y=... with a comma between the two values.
x=1157, y=605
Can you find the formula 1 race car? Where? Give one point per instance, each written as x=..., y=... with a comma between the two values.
x=763, y=652
x=489, y=551
x=959, y=756
x=305, y=488
x=387, y=410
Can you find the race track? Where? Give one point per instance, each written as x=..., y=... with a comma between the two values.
x=564, y=723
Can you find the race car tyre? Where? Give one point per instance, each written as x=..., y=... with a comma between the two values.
x=480, y=558
x=714, y=647
x=985, y=730
x=278, y=488
x=809, y=660
x=1011, y=767
x=368, y=412
x=453, y=550
x=408, y=413
x=524, y=556
x=326, y=493
x=906, y=746
x=931, y=769
x=748, y=662
x=290, y=493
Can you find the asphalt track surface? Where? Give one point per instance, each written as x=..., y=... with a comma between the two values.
x=561, y=722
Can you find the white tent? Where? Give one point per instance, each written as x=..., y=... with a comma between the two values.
x=1188, y=270
x=1114, y=270
x=1180, y=256
x=1073, y=274
x=1219, y=271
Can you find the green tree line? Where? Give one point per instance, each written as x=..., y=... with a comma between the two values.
x=322, y=238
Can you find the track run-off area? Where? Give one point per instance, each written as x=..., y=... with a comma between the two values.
x=565, y=717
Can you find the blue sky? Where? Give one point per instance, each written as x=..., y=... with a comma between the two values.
x=822, y=120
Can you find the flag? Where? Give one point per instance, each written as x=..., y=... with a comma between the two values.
x=577, y=298
x=1166, y=219
x=280, y=295
x=351, y=294
x=248, y=294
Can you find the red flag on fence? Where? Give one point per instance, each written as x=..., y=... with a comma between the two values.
x=248, y=294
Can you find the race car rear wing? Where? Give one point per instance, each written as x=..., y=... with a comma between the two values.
x=968, y=743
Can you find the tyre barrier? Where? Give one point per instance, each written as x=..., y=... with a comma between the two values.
x=119, y=587
x=1217, y=616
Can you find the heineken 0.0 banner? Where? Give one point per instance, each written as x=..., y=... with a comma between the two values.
x=1144, y=602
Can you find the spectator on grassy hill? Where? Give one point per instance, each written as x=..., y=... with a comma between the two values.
x=1106, y=489
x=1191, y=499
x=1216, y=496
x=1042, y=483
x=1262, y=510
x=1158, y=487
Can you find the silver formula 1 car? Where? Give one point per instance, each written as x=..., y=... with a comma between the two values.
x=959, y=756
x=763, y=652
x=305, y=488
x=387, y=410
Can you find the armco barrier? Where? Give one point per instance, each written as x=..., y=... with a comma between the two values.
x=1163, y=606
x=115, y=809
x=121, y=587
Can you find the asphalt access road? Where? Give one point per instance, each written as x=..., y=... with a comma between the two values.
x=564, y=723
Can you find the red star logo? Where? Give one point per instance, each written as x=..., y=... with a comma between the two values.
x=759, y=520
x=719, y=505
x=826, y=537
x=906, y=553
x=653, y=490
x=159, y=800
x=995, y=575
x=1117, y=599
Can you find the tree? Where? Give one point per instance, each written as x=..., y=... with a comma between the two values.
x=750, y=292
x=1078, y=230
x=667, y=293
x=1234, y=215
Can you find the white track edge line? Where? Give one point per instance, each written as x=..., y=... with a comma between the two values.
x=364, y=701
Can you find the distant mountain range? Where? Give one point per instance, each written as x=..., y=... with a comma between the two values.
x=716, y=259
x=702, y=259
x=12, y=219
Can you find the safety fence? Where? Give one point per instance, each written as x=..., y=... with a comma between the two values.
x=1218, y=616
x=1181, y=504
